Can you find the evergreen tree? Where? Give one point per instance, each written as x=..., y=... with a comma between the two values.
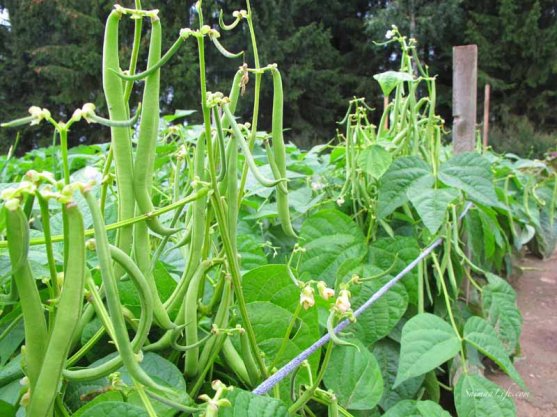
x=516, y=45
x=52, y=59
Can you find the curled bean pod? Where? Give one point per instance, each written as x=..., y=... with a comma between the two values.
x=93, y=117
x=154, y=65
x=280, y=154
x=247, y=153
x=67, y=317
x=148, y=132
x=230, y=26
x=120, y=136
x=143, y=289
x=223, y=50
x=123, y=344
x=36, y=336
x=174, y=344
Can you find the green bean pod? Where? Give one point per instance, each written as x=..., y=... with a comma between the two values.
x=143, y=258
x=120, y=136
x=36, y=335
x=148, y=133
x=122, y=341
x=223, y=51
x=198, y=223
x=114, y=123
x=247, y=356
x=234, y=95
x=279, y=152
x=232, y=193
x=221, y=145
x=190, y=318
x=247, y=153
x=155, y=65
x=220, y=321
x=143, y=290
x=234, y=361
x=67, y=317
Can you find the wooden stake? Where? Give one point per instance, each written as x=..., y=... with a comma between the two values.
x=465, y=64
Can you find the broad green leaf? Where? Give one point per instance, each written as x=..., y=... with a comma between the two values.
x=488, y=234
x=378, y=320
x=165, y=283
x=272, y=283
x=11, y=371
x=390, y=79
x=7, y=410
x=130, y=297
x=545, y=240
x=10, y=393
x=395, y=254
x=178, y=114
x=386, y=352
x=302, y=199
x=158, y=368
x=166, y=374
x=270, y=323
x=499, y=305
x=375, y=161
x=471, y=173
x=115, y=409
x=329, y=238
x=105, y=397
x=246, y=404
x=431, y=409
x=432, y=204
x=405, y=408
x=354, y=376
x=14, y=337
x=427, y=342
x=272, y=298
x=251, y=251
x=482, y=336
x=405, y=173
x=475, y=396
x=409, y=408
x=432, y=387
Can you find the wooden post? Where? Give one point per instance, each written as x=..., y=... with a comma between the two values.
x=485, y=133
x=465, y=71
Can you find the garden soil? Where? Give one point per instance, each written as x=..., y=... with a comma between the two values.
x=537, y=300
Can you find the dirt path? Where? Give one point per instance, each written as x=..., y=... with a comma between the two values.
x=537, y=299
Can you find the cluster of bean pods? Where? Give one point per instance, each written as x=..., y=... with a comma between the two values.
x=208, y=191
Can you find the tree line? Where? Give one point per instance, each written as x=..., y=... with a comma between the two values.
x=50, y=56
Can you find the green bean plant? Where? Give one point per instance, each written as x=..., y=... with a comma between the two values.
x=173, y=270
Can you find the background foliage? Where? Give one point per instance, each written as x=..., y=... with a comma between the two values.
x=324, y=48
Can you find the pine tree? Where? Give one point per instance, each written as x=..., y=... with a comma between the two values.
x=517, y=56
